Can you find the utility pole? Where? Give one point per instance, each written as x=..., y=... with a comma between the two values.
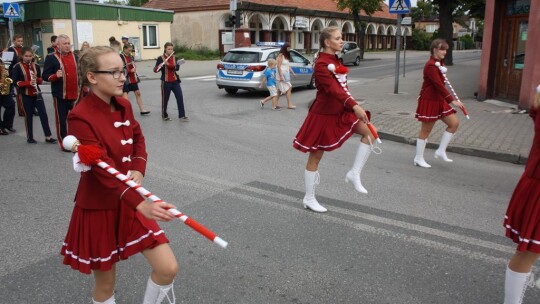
x=74, y=25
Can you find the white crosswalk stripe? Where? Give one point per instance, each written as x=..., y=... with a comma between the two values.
x=202, y=78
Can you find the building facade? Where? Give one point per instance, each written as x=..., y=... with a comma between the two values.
x=201, y=23
x=148, y=29
x=510, y=62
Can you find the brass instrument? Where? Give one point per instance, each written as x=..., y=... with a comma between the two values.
x=34, y=79
x=37, y=58
x=5, y=81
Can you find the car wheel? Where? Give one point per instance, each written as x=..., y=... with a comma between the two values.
x=231, y=91
x=312, y=84
x=357, y=61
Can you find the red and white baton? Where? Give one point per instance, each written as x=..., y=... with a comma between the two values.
x=442, y=69
x=91, y=156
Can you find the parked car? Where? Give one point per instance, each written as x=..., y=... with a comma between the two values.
x=350, y=53
x=242, y=68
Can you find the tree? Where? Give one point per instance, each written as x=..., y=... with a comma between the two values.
x=450, y=9
x=137, y=2
x=354, y=7
x=423, y=10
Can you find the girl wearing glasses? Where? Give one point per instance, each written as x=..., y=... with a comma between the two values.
x=110, y=221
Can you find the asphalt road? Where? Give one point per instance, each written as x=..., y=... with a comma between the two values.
x=419, y=236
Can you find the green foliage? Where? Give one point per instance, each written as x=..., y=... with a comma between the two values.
x=354, y=6
x=421, y=40
x=203, y=53
x=467, y=42
x=424, y=10
x=137, y=2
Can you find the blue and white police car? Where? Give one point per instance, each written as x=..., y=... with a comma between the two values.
x=242, y=68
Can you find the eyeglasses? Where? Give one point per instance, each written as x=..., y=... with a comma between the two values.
x=115, y=74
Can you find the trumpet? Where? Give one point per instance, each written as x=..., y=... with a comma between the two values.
x=164, y=61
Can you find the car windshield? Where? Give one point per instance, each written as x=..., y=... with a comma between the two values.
x=242, y=57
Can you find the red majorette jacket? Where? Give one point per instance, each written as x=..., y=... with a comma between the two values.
x=122, y=145
x=23, y=79
x=433, y=87
x=331, y=98
x=129, y=63
x=67, y=86
x=168, y=70
x=532, y=168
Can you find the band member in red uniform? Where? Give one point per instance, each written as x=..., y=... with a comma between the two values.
x=6, y=101
x=433, y=104
x=333, y=117
x=170, y=81
x=522, y=220
x=132, y=78
x=110, y=220
x=16, y=48
x=27, y=78
x=60, y=69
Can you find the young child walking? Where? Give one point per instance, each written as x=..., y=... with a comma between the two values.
x=111, y=221
x=270, y=80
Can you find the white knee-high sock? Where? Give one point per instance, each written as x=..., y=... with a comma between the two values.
x=514, y=286
x=155, y=293
x=108, y=301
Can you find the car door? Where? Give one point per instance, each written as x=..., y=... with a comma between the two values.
x=303, y=69
x=345, y=54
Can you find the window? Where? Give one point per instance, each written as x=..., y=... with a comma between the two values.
x=150, y=36
x=430, y=28
x=300, y=38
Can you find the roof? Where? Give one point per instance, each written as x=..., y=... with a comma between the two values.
x=204, y=5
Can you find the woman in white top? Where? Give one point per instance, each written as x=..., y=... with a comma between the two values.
x=284, y=74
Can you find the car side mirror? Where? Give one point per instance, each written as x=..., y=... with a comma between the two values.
x=306, y=61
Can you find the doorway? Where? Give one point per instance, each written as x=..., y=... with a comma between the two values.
x=511, y=57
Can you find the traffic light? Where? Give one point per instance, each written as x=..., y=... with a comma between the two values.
x=232, y=20
x=238, y=17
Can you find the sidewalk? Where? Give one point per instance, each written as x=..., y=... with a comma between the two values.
x=492, y=132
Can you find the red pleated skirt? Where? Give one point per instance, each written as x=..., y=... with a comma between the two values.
x=522, y=219
x=325, y=132
x=432, y=110
x=96, y=239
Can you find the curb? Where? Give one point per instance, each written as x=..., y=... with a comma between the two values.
x=493, y=155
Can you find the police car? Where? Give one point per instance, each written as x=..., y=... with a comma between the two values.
x=242, y=68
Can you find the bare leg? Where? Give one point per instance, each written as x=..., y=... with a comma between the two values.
x=452, y=123
x=163, y=262
x=104, y=284
x=289, y=102
x=139, y=100
x=425, y=129
x=313, y=160
x=522, y=261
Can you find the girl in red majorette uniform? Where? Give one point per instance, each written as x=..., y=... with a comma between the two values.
x=433, y=104
x=522, y=220
x=111, y=221
x=333, y=117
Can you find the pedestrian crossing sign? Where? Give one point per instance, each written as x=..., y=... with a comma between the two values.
x=399, y=6
x=11, y=10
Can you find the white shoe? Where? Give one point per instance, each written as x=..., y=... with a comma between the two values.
x=313, y=205
x=442, y=155
x=419, y=158
x=354, y=178
x=312, y=179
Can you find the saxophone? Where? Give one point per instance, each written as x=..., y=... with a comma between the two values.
x=5, y=81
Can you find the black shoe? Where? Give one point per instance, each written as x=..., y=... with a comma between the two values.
x=31, y=141
x=4, y=132
x=145, y=113
x=167, y=119
x=64, y=150
x=11, y=130
x=184, y=119
x=50, y=140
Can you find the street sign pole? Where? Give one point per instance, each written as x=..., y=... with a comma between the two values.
x=404, y=51
x=74, y=25
x=232, y=8
x=11, y=32
x=398, y=48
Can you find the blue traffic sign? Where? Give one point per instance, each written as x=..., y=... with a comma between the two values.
x=399, y=6
x=11, y=10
